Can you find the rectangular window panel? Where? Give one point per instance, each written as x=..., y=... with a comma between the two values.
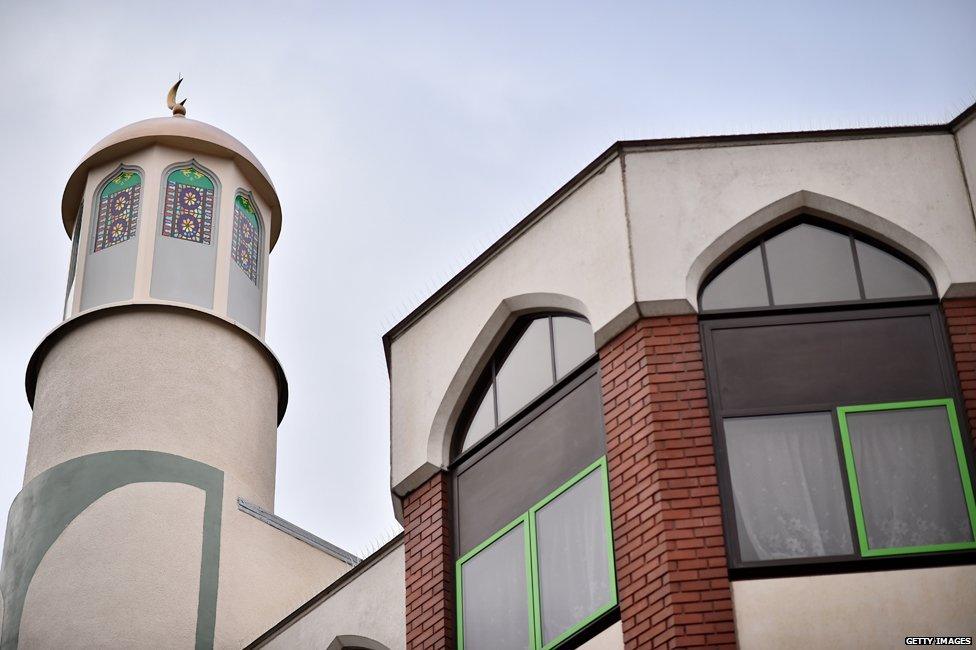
x=573, y=574
x=909, y=477
x=786, y=487
x=494, y=592
x=811, y=264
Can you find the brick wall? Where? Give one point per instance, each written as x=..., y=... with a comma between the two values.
x=961, y=318
x=671, y=569
x=429, y=569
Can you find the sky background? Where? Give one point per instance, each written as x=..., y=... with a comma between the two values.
x=403, y=139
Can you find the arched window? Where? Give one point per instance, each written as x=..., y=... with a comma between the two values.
x=245, y=246
x=245, y=290
x=185, y=252
x=812, y=262
x=532, y=517
x=837, y=429
x=113, y=230
x=189, y=205
x=540, y=352
x=118, y=210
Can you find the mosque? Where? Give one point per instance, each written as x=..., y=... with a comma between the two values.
x=713, y=392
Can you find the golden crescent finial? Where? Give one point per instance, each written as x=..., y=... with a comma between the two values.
x=172, y=104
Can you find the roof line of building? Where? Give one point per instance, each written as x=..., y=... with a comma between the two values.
x=300, y=534
x=621, y=146
x=326, y=593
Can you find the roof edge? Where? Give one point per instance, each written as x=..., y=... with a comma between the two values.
x=297, y=532
x=623, y=146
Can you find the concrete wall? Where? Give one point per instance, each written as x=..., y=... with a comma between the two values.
x=370, y=606
x=190, y=385
x=156, y=161
x=638, y=237
x=91, y=588
x=864, y=610
x=966, y=142
x=575, y=257
x=170, y=381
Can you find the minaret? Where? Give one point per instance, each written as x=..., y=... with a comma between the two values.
x=155, y=408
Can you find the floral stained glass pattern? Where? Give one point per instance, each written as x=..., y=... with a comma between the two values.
x=118, y=210
x=244, y=244
x=188, y=208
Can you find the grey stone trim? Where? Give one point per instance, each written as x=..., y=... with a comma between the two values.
x=300, y=534
x=50, y=502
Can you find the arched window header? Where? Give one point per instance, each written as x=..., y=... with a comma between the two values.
x=812, y=262
x=538, y=352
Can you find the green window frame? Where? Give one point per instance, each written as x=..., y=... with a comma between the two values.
x=961, y=463
x=528, y=519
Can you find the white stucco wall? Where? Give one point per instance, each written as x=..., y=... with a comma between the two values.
x=577, y=251
x=171, y=381
x=99, y=586
x=966, y=141
x=372, y=605
x=639, y=237
x=862, y=610
x=683, y=200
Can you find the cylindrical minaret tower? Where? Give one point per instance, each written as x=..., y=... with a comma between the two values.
x=156, y=404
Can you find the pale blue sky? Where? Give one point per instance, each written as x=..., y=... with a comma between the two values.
x=405, y=137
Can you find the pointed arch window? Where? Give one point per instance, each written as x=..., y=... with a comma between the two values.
x=189, y=204
x=838, y=436
x=539, y=352
x=118, y=210
x=812, y=262
x=245, y=245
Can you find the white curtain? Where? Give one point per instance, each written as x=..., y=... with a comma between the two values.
x=786, y=485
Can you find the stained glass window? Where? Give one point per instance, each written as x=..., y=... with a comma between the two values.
x=244, y=244
x=188, y=209
x=118, y=210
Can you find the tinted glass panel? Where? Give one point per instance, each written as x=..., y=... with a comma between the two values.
x=787, y=487
x=483, y=421
x=495, y=607
x=573, y=342
x=830, y=362
x=520, y=472
x=809, y=264
x=907, y=474
x=527, y=371
x=886, y=276
x=573, y=556
x=741, y=284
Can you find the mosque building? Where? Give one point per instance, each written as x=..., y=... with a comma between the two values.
x=713, y=392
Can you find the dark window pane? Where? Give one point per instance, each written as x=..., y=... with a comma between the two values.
x=573, y=556
x=908, y=477
x=828, y=362
x=786, y=487
x=527, y=371
x=495, y=607
x=573, y=342
x=811, y=264
x=741, y=284
x=520, y=472
x=886, y=276
x=483, y=421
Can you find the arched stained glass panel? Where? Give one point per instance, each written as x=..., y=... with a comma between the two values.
x=245, y=244
x=808, y=263
x=540, y=352
x=188, y=207
x=118, y=210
